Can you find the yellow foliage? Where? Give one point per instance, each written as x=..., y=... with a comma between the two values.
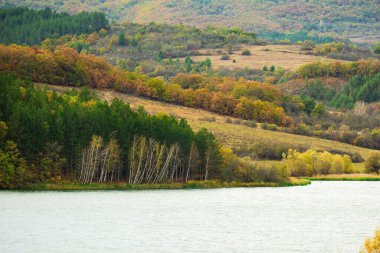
x=23, y=92
x=372, y=245
x=312, y=163
x=89, y=103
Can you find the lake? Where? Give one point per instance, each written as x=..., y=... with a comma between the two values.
x=321, y=217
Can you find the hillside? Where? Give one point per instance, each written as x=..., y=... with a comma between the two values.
x=350, y=18
x=248, y=100
x=284, y=56
x=229, y=134
x=27, y=26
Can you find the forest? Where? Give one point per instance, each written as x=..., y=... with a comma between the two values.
x=20, y=25
x=305, y=114
x=155, y=49
x=65, y=66
x=47, y=137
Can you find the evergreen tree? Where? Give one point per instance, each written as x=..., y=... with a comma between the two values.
x=21, y=25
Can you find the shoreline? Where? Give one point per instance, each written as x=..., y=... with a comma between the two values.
x=66, y=185
x=76, y=186
x=344, y=177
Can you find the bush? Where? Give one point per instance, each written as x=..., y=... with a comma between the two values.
x=225, y=57
x=372, y=164
x=237, y=122
x=372, y=245
x=376, y=50
x=229, y=121
x=355, y=157
x=268, y=126
x=248, y=171
x=267, y=151
x=13, y=168
x=307, y=45
x=244, y=170
x=208, y=119
x=348, y=137
x=250, y=123
x=312, y=163
x=246, y=52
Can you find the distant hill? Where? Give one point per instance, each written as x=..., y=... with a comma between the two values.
x=351, y=18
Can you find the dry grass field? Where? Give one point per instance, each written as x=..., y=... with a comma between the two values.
x=285, y=56
x=228, y=134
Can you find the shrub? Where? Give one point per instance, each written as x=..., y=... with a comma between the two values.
x=307, y=45
x=209, y=119
x=348, y=136
x=250, y=123
x=313, y=162
x=244, y=170
x=225, y=57
x=246, y=52
x=13, y=168
x=103, y=32
x=268, y=126
x=372, y=245
x=267, y=151
x=372, y=164
x=302, y=129
x=248, y=171
x=355, y=157
x=376, y=50
x=229, y=121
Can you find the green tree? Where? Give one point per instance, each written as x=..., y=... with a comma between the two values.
x=372, y=164
x=160, y=56
x=376, y=49
x=122, y=41
x=188, y=63
x=12, y=167
x=309, y=104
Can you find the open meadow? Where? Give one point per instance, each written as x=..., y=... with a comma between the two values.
x=285, y=56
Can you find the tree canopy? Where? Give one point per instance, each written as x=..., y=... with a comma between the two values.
x=21, y=25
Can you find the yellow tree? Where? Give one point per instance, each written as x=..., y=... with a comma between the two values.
x=372, y=245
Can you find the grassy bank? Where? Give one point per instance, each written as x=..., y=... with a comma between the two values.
x=76, y=186
x=345, y=177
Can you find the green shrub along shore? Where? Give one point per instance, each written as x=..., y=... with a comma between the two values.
x=211, y=184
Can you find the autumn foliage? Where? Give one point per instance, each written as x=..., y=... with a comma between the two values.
x=339, y=69
x=65, y=66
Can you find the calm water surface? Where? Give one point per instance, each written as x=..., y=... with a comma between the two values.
x=322, y=217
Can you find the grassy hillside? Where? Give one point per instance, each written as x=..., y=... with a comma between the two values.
x=229, y=134
x=285, y=56
x=352, y=18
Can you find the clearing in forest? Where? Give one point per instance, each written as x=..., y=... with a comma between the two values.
x=285, y=56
